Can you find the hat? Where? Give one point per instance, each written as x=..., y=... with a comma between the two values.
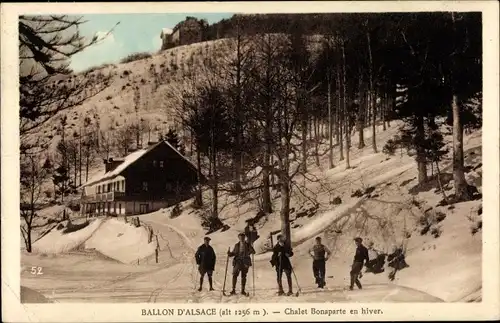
x=358, y=239
x=318, y=238
x=207, y=238
x=241, y=234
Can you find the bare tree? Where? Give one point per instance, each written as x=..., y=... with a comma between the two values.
x=33, y=174
x=236, y=69
x=124, y=139
x=46, y=84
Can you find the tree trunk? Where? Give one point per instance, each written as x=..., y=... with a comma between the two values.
x=344, y=109
x=215, y=195
x=330, y=121
x=237, y=154
x=336, y=116
x=316, y=141
x=198, y=197
x=421, y=158
x=461, y=191
x=75, y=165
x=440, y=183
x=87, y=162
x=80, y=156
x=28, y=239
x=285, y=207
x=304, y=133
x=372, y=94
x=310, y=125
x=361, y=115
x=340, y=120
x=266, y=193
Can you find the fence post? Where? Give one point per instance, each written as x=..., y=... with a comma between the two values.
x=156, y=254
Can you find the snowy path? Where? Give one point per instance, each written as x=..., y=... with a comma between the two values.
x=176, y=283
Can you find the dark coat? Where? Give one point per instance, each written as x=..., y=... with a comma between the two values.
x=205, y=257
x=251, y=235
x=361, y=254
x=245, y=258
x=397, y=259
x=281, y=257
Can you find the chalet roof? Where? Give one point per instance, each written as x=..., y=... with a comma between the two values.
x=131, y=159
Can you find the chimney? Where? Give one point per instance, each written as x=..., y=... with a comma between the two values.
x=111, y=164
x=106, y=164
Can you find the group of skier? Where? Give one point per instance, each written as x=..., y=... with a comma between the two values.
x=243, y=252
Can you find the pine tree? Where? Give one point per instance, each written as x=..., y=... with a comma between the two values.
x=173, y=138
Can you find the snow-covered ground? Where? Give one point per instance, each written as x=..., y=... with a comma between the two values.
x=112, y=261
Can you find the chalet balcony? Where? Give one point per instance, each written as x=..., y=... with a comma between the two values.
x=104, y=197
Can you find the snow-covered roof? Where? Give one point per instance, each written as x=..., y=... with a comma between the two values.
x=129, y=160
x=166, y=31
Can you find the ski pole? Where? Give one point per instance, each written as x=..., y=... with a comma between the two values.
x=296, y=280
x=225, y=273
x=196, y=275
x=253, y=272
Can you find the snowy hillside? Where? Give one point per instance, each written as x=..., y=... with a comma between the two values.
x=377, y=199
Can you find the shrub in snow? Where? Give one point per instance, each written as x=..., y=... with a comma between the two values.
x=176, y=211
x=135, y=57
x=477, y=227
x=336, y=201
x=390, y=147
x=211, y=223
x=75, y=227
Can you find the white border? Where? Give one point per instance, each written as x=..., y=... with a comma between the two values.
x=13, y=311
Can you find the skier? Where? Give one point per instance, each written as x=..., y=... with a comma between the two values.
x=205, y=259
x=320, y=254
x=377, y=260
x=360, y=258
x=396, y=261
x=241, y=262
x=251, y=233
x=281, y=260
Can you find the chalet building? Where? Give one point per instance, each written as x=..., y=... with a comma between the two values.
x=144, y=181
x=189, y=31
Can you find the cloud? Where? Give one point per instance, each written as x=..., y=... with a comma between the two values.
x=106, y=50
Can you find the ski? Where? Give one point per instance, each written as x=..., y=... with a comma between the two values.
x=243, y=294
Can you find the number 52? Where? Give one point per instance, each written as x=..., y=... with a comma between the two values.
x=36, y=271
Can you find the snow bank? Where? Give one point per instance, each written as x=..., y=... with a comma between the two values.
x=316, y=226
x=57, y=242
x=455, y=257
x=121, y=241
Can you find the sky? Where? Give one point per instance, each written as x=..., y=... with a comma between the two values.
x=135, y=33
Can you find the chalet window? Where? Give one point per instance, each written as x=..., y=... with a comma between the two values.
x=98, y=189
x=144, y=186
x=109, y=187
x=154, y=163
x=161, y=163
x=123, y=186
